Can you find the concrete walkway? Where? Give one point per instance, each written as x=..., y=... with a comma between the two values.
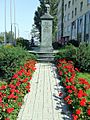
x=43, y=102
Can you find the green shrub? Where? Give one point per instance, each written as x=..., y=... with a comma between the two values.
x=80, y=56
x=69, y=53
x=12, y=94
x=11, y=59
x=9, y=45
x=56, y=45
x=24, y=43
x=74, y=42
x=83, y=57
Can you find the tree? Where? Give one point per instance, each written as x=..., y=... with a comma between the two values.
x=23, y=42
x=35, y=32
x=53, y=11
x=8, y=37
x=1, y=37
x=37, y=21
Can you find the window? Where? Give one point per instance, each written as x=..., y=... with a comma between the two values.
x=65, y=30
x=65, y=7
x=87, y=26
x=72, y=14
x=68, y=28
x=68, y=17
x=69, y=4
x=75, y=11
x=65, y=18
x=72, y=2
x=81, y=6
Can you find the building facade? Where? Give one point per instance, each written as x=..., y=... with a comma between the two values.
x=60, y=19
x=76, y=19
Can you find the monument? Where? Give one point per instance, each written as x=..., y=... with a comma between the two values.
x=46, y=31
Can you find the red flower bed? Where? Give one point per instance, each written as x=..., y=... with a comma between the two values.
x=76, y=90
x=12, y=94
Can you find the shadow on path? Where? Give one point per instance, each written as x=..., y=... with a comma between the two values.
x=61, y=106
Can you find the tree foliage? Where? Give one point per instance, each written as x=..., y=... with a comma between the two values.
x=23, y=43
x=8, y=37
x=37, y=21
x=34, y=32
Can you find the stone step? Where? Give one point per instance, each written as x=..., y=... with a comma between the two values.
x=45, y=56
x=45, y=59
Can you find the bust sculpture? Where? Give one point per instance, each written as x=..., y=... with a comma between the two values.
x=48, y=8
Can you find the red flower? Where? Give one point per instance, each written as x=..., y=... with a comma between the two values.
x=71, y=79
x=15, y=76
x=78, y=111
x=0, y=100
x=18, y=83
x=0, y=93
x=83, y=81
x=69, y=102
x=67, y=80
x=28, y=83
x=85, y=94
x=6, y=105
x=19, y=104
x=80, y=94
x=60, y=73
x=77, y=69
x=3, y=87
x=75, y=117
x=70, y=91
x=66, y=98
x=30, y=77
x=10, y=110
x=4, y=95
x=27, y=87
x=12, y=86
x=89, y=103
x=73, y=87
x=88, y=111
x=83, y=102
x=71, y=62
x=12, y=90
x=11, y=96
x=17, y=91
x=68, y=87
x=28, y=73
x=20, y=73
x=65, y=73
x=28, y=90
x=25, y=80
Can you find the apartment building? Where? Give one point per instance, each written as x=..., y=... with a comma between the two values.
x=60, y=19
x=76, y=19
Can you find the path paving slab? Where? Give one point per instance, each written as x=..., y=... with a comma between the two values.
x=43, y=102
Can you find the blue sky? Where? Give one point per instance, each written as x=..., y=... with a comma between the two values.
x=24, y=15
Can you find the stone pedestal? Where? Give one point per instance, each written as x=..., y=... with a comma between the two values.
x=46, y=36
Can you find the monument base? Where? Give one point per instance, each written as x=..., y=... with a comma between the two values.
x=46, y=49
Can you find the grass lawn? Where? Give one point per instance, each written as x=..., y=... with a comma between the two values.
x=86, y=76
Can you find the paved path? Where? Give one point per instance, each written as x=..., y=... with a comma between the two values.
x=43, y=103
